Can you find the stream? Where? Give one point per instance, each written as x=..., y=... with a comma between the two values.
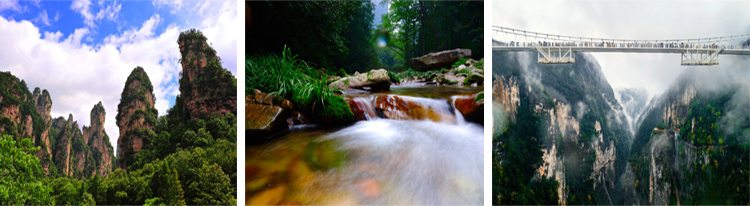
x=387, y=159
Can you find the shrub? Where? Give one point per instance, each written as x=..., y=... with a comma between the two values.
x=459, y=62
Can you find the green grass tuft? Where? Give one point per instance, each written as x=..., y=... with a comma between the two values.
x=291, y=78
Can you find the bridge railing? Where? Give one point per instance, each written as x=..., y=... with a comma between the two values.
x=502, y=34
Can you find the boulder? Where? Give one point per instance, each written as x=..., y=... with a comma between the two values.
x=375, y=80
x=475, y=77
x=438, y=59
x=472, y=111
x=264, y=121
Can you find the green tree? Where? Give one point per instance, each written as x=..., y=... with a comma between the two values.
x=421, y=27
x=212, y=187
x=170, y=190
x=19, y=174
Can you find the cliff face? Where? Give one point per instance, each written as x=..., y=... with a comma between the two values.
x=17, y=110
x=43, y=103
x=692, y=142
x=205, y=87
x=62, y=153
x=583, y=132
x=96, y=138
x=136, y=117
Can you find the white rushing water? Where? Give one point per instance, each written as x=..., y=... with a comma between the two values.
x=411, y=162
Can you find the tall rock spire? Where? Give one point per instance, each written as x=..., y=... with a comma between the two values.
x=136, y=117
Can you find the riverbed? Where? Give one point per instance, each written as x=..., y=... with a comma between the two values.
x=435, y=160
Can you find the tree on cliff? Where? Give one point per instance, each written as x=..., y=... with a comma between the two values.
x=19, y=174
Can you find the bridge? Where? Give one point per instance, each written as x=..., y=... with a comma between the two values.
x=560, y=49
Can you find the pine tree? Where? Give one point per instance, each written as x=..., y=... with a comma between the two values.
x=171, y=190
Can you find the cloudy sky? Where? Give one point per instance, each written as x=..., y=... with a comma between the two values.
x=630, y=20
x=82, y=51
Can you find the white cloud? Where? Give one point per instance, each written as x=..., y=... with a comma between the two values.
x=53, y=37
x=129, y=36
x=42, y=18
x=220, y=27
x=79, y=75
x=175, y=4
x=10, y=5
x=84, y=8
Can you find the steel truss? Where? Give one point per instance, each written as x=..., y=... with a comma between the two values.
x=698, y=58
x=555, y=55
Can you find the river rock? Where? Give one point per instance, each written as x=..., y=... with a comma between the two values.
x=438, y=59
x=473, y=111
x=395, y=107
x=449, y=78
x=262, y=121
x=375, y=80
x=475, y=77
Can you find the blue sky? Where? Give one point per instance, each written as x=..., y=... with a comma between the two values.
x=82, y=51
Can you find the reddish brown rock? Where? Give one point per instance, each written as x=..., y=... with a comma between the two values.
x=136, y=116
x=206, y=88
x=395, y=107
x=471, y=110
x=98, y=141
x=63, y=153
x=43, y=104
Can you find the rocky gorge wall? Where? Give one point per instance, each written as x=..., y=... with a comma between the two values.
x=585, y=136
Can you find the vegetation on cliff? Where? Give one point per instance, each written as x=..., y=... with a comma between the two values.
x=205, y=85
x=513, y=167
x=708, y=160
x=136, y=116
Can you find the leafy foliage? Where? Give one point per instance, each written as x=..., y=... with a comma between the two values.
x=332, y=34
x=284, y=75
x=20, y=174
x=420, y=27
x=460, y=62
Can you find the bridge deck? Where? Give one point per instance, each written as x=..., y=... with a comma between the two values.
x=624, y=50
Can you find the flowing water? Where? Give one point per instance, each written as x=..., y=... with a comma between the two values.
x=433, y=161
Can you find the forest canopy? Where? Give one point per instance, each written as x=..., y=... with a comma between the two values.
x=342, y=34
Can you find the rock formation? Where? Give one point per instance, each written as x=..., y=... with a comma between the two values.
x=436, y=60
x=206, y=88
x=96, y=138
x=375, y=80
x=136, y=117
x=62, y=154
x=43, y=103
x=583, y=132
